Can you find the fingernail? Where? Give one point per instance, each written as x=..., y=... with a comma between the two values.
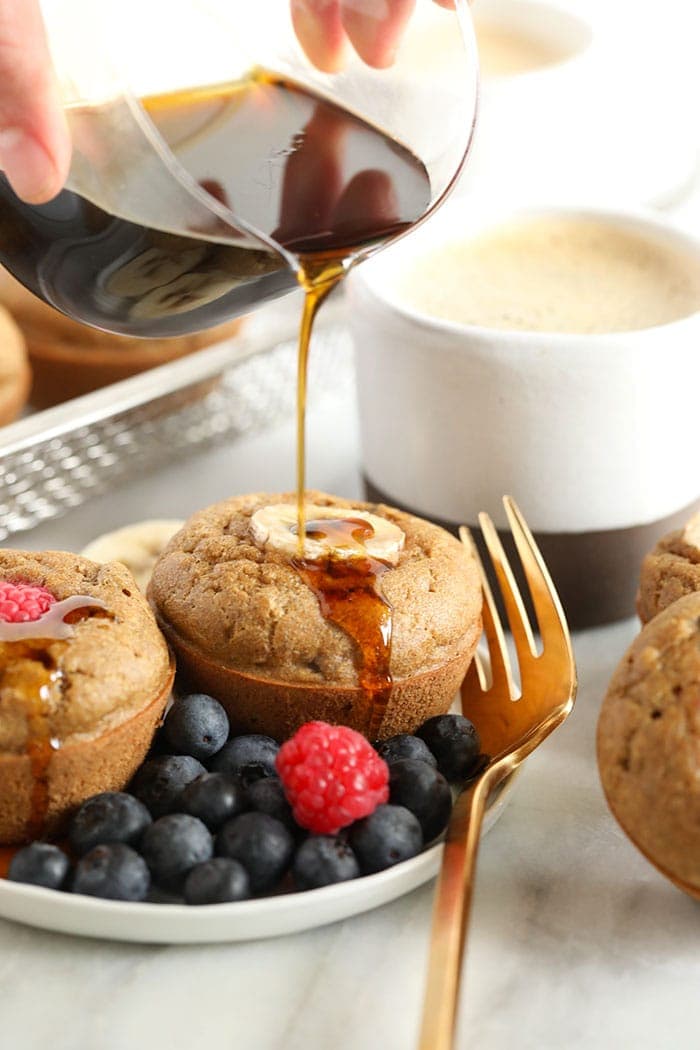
x=27, y=165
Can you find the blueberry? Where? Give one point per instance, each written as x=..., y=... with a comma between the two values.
x=396, y=748
x=389, y=835
x=160, y=781
x=217, y=881
x=248, y=757
x=214, y=798
x=424, y=791
x=322, y=860
x=196, y=725
x=112, y=816
x=173, y=845
x=39, y=865
x=454, y=741
x=113, y=871
x=262, y=844
x=267, y=796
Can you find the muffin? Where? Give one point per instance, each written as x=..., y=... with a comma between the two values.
x=77, y=713
x=15, y=375
x=649, y=742
x=247, y=627
x=69, y=359
x=670, y=571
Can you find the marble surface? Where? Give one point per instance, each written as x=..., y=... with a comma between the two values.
x=575, y=941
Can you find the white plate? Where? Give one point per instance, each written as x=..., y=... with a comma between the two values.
x=245, y=920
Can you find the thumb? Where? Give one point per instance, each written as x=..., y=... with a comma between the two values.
x=34, y=139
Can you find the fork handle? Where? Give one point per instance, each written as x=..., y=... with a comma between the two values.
x=451, y=916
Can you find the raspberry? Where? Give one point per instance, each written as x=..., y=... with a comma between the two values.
x=332, y=777
x=23, y=602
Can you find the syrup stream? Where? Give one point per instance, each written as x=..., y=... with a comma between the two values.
x=318, y=280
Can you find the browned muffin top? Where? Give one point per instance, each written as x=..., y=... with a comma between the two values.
x=115, y=663
x=245, y=606
x=671, y=570
x=649, y=740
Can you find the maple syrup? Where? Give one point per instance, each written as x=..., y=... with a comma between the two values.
x=30, y=656
x=349, y=594
x=30, y=670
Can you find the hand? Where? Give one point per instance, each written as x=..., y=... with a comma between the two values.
x=35, y=145
x=373, y=27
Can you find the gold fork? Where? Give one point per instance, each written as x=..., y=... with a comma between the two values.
x=510, y=729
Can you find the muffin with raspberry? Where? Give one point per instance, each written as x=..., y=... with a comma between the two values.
x=670, y=571
x=371, y=623
x=84, y=679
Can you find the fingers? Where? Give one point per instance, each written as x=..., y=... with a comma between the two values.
x=320, y=32
x=369, y=198
x=375, y=27
x=34, y=139
x=312, y=182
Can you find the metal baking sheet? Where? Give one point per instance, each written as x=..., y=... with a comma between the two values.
x=55, y=460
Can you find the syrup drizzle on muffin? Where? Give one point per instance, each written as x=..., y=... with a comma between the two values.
x=349, y=593
x=31, y=669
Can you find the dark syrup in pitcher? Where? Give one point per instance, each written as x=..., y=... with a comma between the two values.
x=317, y=179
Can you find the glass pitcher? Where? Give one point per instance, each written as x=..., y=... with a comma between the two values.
x=212, y=160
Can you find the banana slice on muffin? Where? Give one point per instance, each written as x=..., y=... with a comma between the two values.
x=276, y=527
x=248, y=628
x=79, y=699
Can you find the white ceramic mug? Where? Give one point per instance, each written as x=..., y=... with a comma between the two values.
x=596, y=436
x=610, y=122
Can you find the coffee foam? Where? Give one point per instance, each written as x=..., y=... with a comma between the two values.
x=556, y=274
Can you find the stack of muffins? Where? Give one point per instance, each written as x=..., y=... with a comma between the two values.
x=649, y=726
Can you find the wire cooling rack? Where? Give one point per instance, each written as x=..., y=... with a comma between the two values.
x=59, y=459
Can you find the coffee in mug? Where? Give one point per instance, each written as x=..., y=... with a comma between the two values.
x=556, y=274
